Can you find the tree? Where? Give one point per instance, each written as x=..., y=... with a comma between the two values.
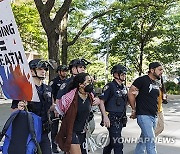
x=30, y=28
x=55, y=26
x=137, y=28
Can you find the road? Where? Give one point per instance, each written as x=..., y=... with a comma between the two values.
x=168, y=140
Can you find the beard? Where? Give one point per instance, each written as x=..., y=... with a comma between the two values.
x=157, y=76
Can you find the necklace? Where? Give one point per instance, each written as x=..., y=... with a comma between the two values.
x=83, y=97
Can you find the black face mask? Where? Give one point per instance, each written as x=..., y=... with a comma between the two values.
x=89, y=88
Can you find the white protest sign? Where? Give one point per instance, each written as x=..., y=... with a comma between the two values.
x=15, y=76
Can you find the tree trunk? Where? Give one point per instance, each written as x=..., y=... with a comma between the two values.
x=141, y=58
x=64, y=40
x=53, y=50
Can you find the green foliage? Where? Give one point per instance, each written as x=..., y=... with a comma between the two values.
x=142, y=31
x=99, y=84
x=30, y=28
x=172, y=88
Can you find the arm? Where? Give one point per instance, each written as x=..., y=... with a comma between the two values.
x=133, y=92
x=106, y=120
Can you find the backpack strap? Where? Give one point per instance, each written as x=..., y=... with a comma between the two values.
x=32, y=132
x=8, y=123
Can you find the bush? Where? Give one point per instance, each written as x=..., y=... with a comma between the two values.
x=172, y=88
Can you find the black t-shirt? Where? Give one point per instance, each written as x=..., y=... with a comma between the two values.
x=82, y=114
x=146, y=100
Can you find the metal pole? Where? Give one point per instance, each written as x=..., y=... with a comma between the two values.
x=108, y=49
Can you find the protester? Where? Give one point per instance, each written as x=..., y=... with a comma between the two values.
x=114, y=98
x=75, y=105
x=143, y=95
x=55, y=84
x=77, y=66
x=39, y=69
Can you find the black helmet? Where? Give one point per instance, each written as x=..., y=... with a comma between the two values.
x=78, y=62
x=62, y=68
x=38, y=63
x=118, y=69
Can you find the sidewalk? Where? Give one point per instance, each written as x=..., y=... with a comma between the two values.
x=132, y=131
x=171, y=132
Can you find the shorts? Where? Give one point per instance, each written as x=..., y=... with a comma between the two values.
x=78, y=138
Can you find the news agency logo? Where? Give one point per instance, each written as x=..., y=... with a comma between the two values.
x=103, y=140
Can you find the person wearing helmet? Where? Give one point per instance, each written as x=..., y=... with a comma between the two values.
x=55, y=85
x=39, y=69
x=61, y=78
x=76, y=66
x=114, y=98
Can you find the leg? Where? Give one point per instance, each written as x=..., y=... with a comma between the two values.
x=54, y=130
x=160, y=124
x=45, y=144
x=79, y=139
x=147, y=124
x=75, y=149
x=82, y=140
x=141, y=146
x=115, y=139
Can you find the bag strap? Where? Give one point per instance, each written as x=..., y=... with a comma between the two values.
x=32, y=132
x=8, y=123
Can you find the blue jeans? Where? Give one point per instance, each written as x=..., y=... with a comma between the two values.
x=146, y=141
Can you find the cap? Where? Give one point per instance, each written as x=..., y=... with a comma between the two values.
x=154, y=65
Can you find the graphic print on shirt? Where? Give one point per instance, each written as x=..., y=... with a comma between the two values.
x=153, y=86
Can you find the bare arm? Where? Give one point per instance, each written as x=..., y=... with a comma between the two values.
x=133, y=92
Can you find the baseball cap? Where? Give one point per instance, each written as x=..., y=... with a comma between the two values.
x=154, y=65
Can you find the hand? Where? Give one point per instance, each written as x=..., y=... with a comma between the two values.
x=133, y=115
x=106, y=121
x=21, y=105
x=96, y=101
x=56, y=114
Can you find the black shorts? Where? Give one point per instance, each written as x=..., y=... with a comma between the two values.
x=78, y=138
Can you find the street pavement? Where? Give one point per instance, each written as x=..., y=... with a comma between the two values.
x=168, y=142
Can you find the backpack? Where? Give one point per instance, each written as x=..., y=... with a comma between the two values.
x=22, y=133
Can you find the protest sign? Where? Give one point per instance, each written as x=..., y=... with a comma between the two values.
x=15, y=76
